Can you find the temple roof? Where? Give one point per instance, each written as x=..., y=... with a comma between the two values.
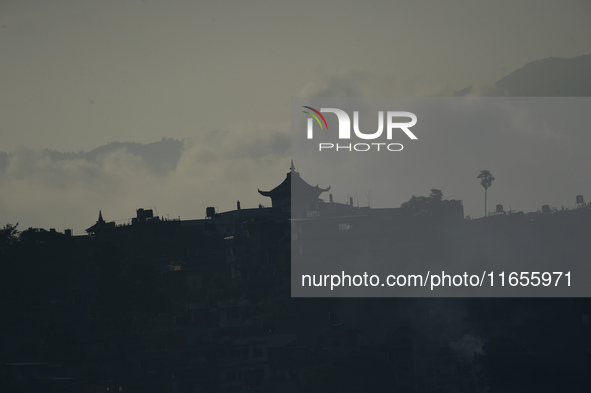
x=301, y=189
x=100, y=223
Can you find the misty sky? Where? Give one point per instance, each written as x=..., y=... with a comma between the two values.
x=76, y=75
x=537, y=148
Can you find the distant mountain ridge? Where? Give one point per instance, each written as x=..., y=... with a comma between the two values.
x=550, y=77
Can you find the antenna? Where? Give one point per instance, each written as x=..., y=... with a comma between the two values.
x=368, y=198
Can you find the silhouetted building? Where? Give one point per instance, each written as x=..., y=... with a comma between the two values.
x=100, y=225
x=144, y=215
x=294, y=193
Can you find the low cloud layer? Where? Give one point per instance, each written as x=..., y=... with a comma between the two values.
x=549, y=77
x=359, y=82
x=50, y=189
x=535, y=161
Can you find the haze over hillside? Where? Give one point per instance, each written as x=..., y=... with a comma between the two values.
x=48, y=188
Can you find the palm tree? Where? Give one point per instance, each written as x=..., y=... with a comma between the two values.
x=486, y=181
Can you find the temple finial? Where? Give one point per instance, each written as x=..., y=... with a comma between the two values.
x=292, y=168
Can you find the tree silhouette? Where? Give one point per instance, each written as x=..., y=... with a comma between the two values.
x=486, y=181
x=423, y=206
x=8, y=236
x=436, y=195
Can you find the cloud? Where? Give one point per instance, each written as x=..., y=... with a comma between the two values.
x=51, y=189
x=356, y=82
x=480, y=90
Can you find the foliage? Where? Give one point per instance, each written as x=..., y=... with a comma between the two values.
x=423, y=206
x=486, y=179
x=8, y=236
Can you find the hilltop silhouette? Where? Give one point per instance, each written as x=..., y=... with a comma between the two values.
x=550, y=77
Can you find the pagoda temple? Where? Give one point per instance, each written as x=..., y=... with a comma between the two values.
x=294, y=194
x=99, y=225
